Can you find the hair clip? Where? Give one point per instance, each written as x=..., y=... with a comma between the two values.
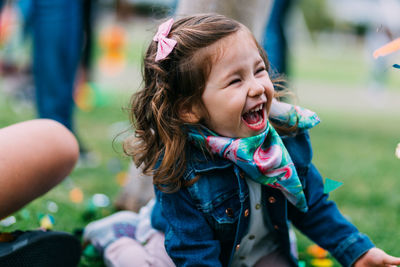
x=165, y=45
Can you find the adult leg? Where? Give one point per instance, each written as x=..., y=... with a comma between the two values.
x=34, y=157
x=274, y=38
x=57, y=44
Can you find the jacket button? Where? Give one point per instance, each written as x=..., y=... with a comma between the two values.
x=258, y=206
x=276, y=227
x=241, y=174
x=251, y=237
x=271, y=200
x=246, y=213
x=229, y=212
x=237, y=247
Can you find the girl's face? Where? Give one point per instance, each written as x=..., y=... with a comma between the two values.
x=238, y=92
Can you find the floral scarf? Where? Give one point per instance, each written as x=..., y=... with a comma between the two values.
x=263, y=157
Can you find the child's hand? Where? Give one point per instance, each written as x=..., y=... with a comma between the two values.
x=376, y=257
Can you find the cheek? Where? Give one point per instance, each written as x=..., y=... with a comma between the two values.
x=209, y=110
x=221, y=112
x=269, y=92
x=270, y=88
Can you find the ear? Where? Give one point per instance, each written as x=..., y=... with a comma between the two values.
x=190, y=114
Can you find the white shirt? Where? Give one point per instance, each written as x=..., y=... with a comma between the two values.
x=259, y=241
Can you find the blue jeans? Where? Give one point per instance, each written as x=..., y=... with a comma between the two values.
x=274, y=39
x=57, y=44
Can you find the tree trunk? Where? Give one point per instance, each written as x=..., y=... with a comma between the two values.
x=252, y=13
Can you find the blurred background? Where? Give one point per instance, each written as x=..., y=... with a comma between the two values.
x=327, y=59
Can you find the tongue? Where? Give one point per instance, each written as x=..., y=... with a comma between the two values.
x=251, y=117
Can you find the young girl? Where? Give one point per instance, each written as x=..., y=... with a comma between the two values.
x=232, y=165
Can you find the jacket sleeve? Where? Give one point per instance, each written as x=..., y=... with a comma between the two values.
x=323, y=223
x=188, y=237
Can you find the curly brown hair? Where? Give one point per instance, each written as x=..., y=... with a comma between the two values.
x=171, y=85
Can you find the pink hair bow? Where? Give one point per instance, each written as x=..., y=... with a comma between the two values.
x=165, y=45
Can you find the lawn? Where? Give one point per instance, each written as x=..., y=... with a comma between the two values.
x=353, y=148
x=359, y=151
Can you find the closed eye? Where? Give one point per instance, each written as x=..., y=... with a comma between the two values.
x=234, y=81
x=261, y=69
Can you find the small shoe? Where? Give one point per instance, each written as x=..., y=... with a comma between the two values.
x=39, y=248
x=103, y=232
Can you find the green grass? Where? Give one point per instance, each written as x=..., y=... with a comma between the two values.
x=359, y=151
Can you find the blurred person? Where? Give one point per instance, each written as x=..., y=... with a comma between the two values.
x=378, y=28
x=35, y=156
x=88, y=22
x=378, y=67
x=380, y=31
x=57, y=47
x=274, y=41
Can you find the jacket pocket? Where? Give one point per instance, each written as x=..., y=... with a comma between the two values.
x=224, y=216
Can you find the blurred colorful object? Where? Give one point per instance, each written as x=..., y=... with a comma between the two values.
x=91, y=257
x=47, y=222
x=52, y=206
x=8, y=221
x=8, y=20
x=397, y=66
x=112, y=43
x=85, y=97
x=100, y=200
x=316, y=251
x=387, y=49
x=97, y=207
x=397, y=153
x=322, y=262
x=122, y=178
x=331, y=185
x=88, y=96
x=76, y=195
x=319, y=254
x=91, y=251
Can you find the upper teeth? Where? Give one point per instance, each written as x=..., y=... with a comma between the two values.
x=259, y=107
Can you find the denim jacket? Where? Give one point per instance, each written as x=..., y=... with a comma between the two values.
x=205, y=222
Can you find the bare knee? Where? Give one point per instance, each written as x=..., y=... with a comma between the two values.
x=63, y=142
x=37, y=153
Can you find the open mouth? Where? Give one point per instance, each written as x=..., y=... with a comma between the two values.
x=255, y=118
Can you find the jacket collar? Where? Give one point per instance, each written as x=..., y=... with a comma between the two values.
x=201, y=161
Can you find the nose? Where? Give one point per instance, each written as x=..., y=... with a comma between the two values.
x=255, y=88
